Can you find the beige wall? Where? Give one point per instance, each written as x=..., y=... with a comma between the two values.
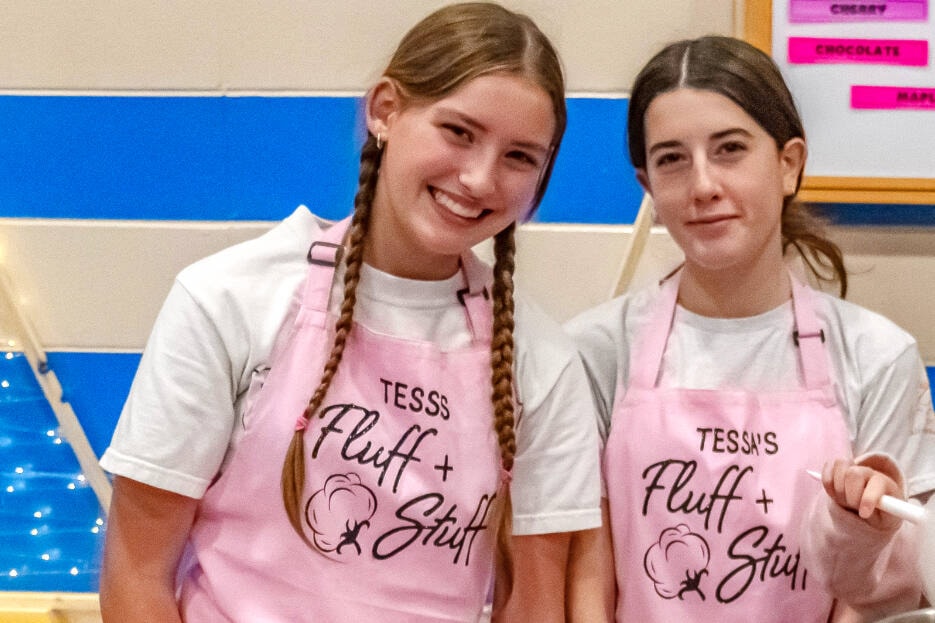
x=98, y=285
x=315, y=45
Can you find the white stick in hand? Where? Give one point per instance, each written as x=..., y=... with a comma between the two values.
x=893, y=506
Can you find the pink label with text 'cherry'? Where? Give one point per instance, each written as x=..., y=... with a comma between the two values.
x=867, y=10
x=808, y=50
x=892, y=98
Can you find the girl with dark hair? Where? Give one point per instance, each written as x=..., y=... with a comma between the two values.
x=719, y=387
x=338, y=422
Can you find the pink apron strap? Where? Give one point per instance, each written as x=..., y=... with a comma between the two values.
x=809, y=337
x=475, y=297
x=650, y=346
x=324, y=255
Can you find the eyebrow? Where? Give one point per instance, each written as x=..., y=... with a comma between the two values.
x=716, y=136
x=477, y=125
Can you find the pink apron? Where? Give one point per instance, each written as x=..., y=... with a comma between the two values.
x=706, y=487
x=402, y=469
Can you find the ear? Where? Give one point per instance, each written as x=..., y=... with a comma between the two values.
x=792, y=160
x=643, y=179
x=384, y=102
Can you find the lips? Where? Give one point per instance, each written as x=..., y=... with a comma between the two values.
x=456, y=207
x=711, y=220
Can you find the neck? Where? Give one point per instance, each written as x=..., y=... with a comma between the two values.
x=385, y=255
x=737, y=293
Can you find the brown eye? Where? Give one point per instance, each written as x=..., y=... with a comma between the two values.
x=523, y=157
x=457, y=131
x=667, y=158
x=733, y=147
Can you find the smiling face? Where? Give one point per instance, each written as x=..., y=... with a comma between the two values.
x=455, y=171
x=718, y=180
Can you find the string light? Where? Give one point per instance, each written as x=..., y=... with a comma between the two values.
x=56, y=556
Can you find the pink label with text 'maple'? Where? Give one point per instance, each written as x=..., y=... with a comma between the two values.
x=892, y=98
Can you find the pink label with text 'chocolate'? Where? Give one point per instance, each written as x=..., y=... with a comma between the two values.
x=892, y=98
x=808, y=50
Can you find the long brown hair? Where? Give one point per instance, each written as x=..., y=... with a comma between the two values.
x=750, y=78
x=440, y=54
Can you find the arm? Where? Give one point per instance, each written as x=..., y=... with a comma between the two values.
x=889, y=409
x=864, y=557
x=146, y=534
x=538, y=593
x=591, y=584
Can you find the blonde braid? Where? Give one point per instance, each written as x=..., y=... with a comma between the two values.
x=501, y=363
x=293, y=469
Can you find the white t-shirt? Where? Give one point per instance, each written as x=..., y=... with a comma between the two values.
x=217, y=328
x=880, y=382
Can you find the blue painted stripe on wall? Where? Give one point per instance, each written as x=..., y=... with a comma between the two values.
x=175, y=157
x=96, y=385
x=49, y=517
x=593, y=181
x=247, y=158
x=256, y=158
x=868, y=214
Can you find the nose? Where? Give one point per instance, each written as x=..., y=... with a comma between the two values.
x=478, y=174
x=704, y=180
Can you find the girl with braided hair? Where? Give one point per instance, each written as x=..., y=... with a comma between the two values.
x=357, y=431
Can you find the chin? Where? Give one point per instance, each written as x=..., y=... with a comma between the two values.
x=717, y=261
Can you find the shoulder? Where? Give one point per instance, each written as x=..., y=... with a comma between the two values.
x=878, y=364
x=252, y=286
x=610, y=326
x=542, y=347
x=255, y=264
x=602, y=336
x=602, y=326
x=861, y=333
x=243, y=294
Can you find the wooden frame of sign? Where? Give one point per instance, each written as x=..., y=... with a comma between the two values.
x=758, y=30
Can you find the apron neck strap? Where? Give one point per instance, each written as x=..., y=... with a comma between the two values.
x=324, y=255
x=809, y=337
x=475, y=296
x=650, y=344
